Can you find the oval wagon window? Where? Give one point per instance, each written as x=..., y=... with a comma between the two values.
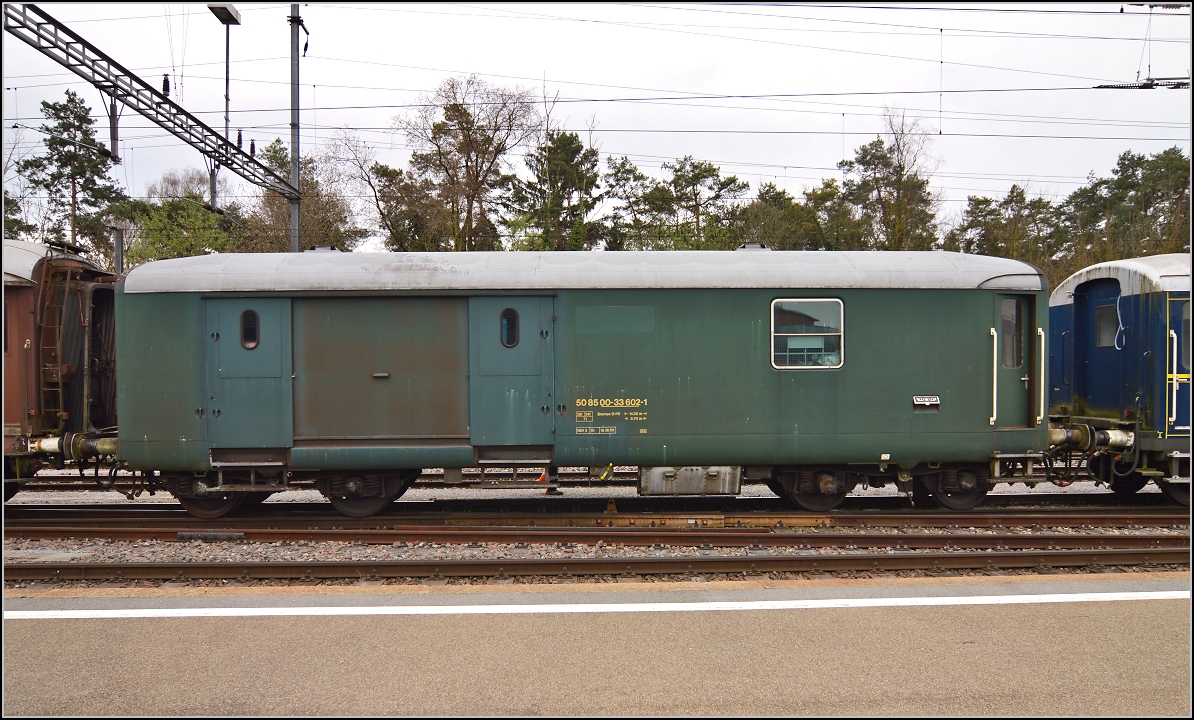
x=509, y=327
x=248, y=329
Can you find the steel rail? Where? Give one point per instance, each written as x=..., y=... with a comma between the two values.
x=727, y=537
x=514, y=514
x=565, y=568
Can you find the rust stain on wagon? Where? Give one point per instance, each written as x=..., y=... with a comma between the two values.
x=370, y=368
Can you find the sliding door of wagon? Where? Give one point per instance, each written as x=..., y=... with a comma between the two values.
x=371, y=369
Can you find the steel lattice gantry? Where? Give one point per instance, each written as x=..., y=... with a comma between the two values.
x=55, y=40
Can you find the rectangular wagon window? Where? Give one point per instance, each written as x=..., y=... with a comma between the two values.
x=1106, y=326
x=1186, y=335
x=1011, y=343
x=806, y=334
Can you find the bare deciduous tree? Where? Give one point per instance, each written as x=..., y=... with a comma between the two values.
x=188, y=183
x=404, y=208
x=889, y=182
x=462, y=134
x=326, y=217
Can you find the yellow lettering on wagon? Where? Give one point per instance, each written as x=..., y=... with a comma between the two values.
x=597, y=430
x=611, y=402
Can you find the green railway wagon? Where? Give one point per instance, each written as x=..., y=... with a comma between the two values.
x=241, y=375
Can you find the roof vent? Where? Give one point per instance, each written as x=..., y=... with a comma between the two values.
x=753, y=246
x=323, y=248
x=64, y=245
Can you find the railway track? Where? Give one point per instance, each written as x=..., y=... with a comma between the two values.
x=813, y=565
x=707, y=538
x=748, y=537
x=761, y=513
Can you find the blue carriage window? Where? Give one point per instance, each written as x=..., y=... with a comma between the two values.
x=509, y=327
x=806, y=334
x=249, y=332
x=1106, y=326
x=1011, y=335
x=1185, y=338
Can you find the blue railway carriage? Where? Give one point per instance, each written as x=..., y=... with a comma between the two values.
x=1120, y=372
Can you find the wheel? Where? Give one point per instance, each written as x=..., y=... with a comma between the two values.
x=1116, y=475
x=966, y=494
x=1128, y=485
x=1107, y=470
x=359, y=496
x=819, y=502
x=359, y=507
x=827, y=492
x=210, y=508
x=922, y=493
x=1176, y=492
x=406, y=480
x=254, y=499
x=11, y=486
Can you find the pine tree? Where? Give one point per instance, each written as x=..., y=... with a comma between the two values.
x=73, y=173
x=555, y=203
x=14, y=223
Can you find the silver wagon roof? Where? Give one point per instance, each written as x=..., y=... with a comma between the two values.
x=21, y=258
x=536, y=271
x=1136, y=276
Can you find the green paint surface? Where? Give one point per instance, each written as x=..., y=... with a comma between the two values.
x=641, y=377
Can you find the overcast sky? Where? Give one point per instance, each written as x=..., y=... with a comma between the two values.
x=775, y=92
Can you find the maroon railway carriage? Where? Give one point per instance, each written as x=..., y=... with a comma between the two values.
x=59, y=360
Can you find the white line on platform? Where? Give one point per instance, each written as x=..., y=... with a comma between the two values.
x=569, y=608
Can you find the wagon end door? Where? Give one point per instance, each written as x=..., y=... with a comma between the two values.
x=1100, y=339
x=512, y=371
x=1177, y=371
x=1016, y=350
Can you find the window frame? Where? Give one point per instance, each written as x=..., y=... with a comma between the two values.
x=1011, y=344
x=1114, y=333
x=256, y=342
x=503, y=323
x=840, y=334
x=1184, y=343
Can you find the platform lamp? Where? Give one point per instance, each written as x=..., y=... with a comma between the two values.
x=227, y=14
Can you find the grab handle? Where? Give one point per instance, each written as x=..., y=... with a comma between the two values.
x=994, y=375
x=1173, y=402
x=1040, y=417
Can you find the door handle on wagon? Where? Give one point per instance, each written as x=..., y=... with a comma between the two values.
x=1173, y=400
x=1040, y=418
x=994, y=375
